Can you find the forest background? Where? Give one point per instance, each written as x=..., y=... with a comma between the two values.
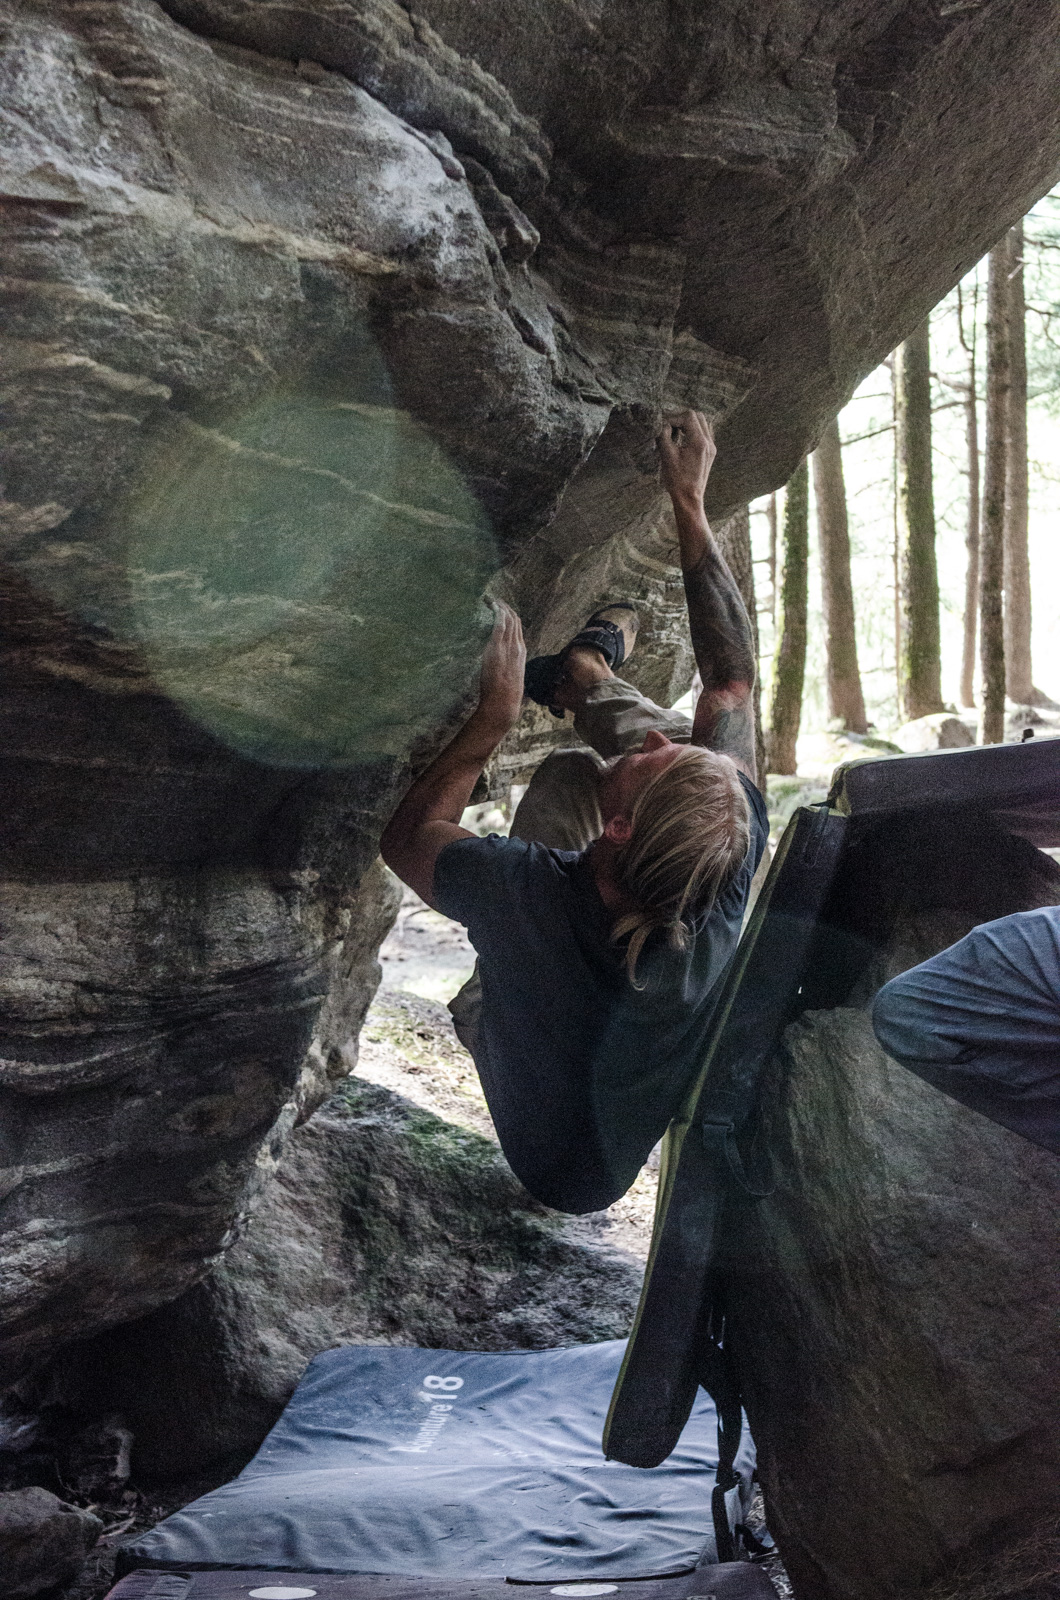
x=876, y=439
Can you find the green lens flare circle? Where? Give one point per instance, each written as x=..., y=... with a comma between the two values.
x=305, y=578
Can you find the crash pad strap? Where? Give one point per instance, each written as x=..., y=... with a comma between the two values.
x=718, y=1377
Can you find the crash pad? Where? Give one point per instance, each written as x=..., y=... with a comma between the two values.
x=735, y=1580
x=455, y=1465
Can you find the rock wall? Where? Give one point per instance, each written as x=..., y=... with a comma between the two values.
x=895, y=1299
x=319, y=318
x=897, y=1315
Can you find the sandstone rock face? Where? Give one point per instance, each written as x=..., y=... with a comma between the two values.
x=43, y=1541
x=896, y=1319
x=318, y=318
x=383, y=1225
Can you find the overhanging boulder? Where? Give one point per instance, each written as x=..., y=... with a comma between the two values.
x=318, y=318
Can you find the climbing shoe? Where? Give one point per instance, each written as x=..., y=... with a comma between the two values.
x=613, y=636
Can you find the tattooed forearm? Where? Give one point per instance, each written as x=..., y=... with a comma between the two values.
x=727, y=727
x=719, y=624
x=723, y=645
x=721, y=631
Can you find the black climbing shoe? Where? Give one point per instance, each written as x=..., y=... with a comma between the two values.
x=614, y=640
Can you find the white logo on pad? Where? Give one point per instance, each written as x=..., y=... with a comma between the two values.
x=437, y=1416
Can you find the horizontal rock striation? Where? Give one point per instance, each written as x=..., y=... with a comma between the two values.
x=319, y=318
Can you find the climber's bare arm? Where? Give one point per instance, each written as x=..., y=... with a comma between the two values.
x=428, y=818
x=721, y=631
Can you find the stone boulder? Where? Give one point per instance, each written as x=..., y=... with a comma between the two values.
x=137, y=1133
x=318, y=319
x=894, y=1301
x=895, y=1305
x=43, y=1541
x=942, y=730
x=383, y=1225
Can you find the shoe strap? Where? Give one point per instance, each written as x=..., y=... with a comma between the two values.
x=605, y=636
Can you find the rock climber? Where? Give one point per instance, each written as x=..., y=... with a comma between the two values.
x=981, y=1021
x=604, y=923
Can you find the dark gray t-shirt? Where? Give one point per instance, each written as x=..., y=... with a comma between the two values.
x=582, y=1072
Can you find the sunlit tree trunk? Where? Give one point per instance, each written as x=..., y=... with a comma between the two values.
x=921, y=663
x=734, y=541
x=992, y=526
x=845, y=699
x=1018, y=681
x=771, y=518
x=971, y=535
x=789, y=667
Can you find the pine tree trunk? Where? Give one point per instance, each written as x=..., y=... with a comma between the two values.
x=1017, y=558
x=971, y=535
x=789, y=667
x=734, y=541
x=771, y=517
x=992, y=526
x=846, y=703
x=921, y=661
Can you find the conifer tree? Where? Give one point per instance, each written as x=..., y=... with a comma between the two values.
x=789, y=667
x=846, y=702
x=1017, y=607
x=971, y=536
x=920, y=670
x=992, y=525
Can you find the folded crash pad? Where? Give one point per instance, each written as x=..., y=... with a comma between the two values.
x=803, y=948
x=455, y=1465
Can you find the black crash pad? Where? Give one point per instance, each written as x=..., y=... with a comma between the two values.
x=798, y=949
x=1016, y=784
x=736, y=1580
x=454, y=1465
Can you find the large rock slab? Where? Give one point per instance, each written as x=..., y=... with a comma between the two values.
x=317, y=319
x=896, y=1304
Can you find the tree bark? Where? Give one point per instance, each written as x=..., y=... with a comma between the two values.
x=921, y=661
x=771, y=518
x=846, y=702
x=1018, y=680
x=992, y=526
x=734, y=541
x=971, y=535
x=789, y=667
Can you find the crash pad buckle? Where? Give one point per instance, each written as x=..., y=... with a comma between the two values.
x=719, y=1139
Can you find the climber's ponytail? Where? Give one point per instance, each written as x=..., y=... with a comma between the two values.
x=690, y=833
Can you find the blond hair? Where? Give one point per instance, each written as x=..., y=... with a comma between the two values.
x=691, y=830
